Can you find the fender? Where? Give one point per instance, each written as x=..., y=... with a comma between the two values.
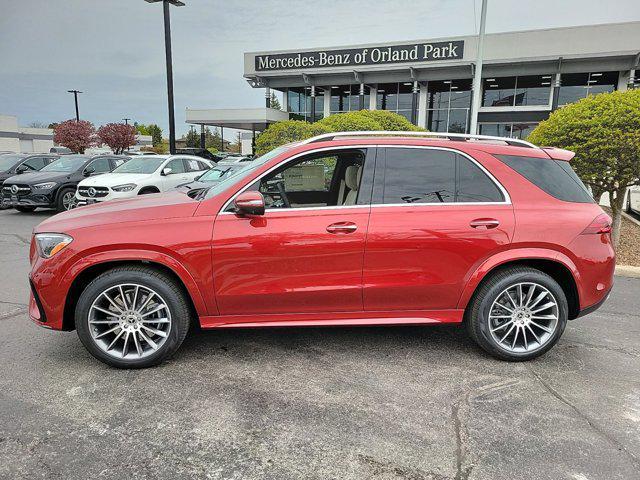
x=137, y=255
x=512, y=255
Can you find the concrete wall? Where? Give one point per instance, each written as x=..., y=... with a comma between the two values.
x=23, y=139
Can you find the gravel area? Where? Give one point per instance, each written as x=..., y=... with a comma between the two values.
x=628, y=252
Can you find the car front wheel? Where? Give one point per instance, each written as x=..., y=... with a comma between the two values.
x=132, y=317
x=517, y=314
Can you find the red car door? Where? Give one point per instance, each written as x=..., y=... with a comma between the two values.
x=303, y=258
x=436, y=215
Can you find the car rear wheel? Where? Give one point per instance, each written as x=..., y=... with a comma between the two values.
x=132, y=317
x=518, y=314
x=25, y=209
x=66, y=200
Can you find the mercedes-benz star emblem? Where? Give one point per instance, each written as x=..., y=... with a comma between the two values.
x=91, y=192
x=14, y=188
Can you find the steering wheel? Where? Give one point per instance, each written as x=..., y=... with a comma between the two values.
x=283, y=194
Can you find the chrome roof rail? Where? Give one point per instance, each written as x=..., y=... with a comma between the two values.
x=450, y=136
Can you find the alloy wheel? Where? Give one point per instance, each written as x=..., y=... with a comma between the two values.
x=69, y=200
x=523, y=317
x=129, y=321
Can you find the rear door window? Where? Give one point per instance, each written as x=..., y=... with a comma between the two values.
x=176, y=165
x=100, y=165
x=555, y=177
x=422, y=175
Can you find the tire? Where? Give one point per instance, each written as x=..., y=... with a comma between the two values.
x=488, y=330
x=61, y=204
x=123, y=354
x=25, y=209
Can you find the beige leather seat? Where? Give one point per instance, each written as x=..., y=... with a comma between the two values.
x=352, y=180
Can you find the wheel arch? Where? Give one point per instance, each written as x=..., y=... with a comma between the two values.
x=149, y=189
x=86, y=275
x=554, y=264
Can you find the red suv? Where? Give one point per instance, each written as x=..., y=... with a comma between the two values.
x=357, y=228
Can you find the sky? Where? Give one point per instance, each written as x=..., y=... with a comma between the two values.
x=113, y=50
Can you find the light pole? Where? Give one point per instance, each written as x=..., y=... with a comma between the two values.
x=75, y=97
x=476, y=89
x=126, y=121
x=167, y=48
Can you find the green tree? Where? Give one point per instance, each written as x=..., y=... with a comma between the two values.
x=274, y=102
x=141, y=128
x=192, y=139
x=212, y=140
x=604, y=132
x=156, y=134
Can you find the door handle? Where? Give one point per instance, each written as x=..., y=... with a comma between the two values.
x=484, y=222
x=342, y=227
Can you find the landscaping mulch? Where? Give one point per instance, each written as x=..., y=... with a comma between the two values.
x=628, y=252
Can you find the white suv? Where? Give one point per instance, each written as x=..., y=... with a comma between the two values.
x=141, y=175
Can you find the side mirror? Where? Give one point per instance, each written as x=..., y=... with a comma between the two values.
x=166, y=171
x=88, y=171
x=21, y=169
x=249, y=203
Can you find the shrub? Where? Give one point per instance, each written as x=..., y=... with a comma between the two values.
x=349, y=122
x=390, y=121
x=604, y=132
x=281, y=133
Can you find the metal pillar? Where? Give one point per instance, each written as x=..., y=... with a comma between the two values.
x=253, y=141
x=361, y=97
x=313, y=103
x=222, y=139
x=476, y=90
x=267, y=97
x=556, y=92
x=202, y=137
x=167, y=48
x=414, y=102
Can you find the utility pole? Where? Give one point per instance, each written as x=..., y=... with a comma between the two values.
x=126, y=121
x=476, y=89
x=167, y=48
x=75, y=97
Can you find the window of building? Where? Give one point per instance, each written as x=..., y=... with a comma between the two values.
x=299, y=103
x=517, y=91
x=448, y=104
x=346, y=98
x=574, y=86
x=555, y=177
x=395, y=97
x=415, y=175
x=519, y=130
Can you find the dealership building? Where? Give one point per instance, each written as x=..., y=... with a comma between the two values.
x=526, y=75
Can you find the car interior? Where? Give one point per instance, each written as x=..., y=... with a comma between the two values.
x=319, y=180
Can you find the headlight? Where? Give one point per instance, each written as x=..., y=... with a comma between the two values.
x=51, y=243
x=127, y=187
x=45, y=186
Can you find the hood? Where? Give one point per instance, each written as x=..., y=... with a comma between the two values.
x=196, y=184
x=138, y=209
x=39, y=177
x=113, y=179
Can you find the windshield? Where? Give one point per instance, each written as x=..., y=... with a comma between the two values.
x=66, y=164
x=8, y=161
x=237, y=177
x=143, y=164
x=218, y=173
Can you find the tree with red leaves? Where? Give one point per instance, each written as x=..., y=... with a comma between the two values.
x=118, y=136
x=75, y=135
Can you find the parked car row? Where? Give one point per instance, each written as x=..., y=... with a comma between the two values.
x=66, y=182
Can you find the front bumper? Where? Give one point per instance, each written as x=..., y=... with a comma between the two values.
x=82, y=200
x=45, y=199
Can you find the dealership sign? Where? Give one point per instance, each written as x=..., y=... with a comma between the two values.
x=352, y=57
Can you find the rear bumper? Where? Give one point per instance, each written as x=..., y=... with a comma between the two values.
x=595, y=306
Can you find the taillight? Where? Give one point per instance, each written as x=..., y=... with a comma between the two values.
x=601, y=224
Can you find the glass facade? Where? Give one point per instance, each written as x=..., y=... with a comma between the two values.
x=448, y=104
x=517, y=91
x=519, y=130
x=574, y=86
x=299, y=102
x=346, y=98
x=395, y=97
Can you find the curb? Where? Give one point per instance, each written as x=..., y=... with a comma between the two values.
x=627, y=271
x=631, y=218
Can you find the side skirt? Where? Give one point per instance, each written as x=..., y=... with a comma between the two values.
x=334, y=319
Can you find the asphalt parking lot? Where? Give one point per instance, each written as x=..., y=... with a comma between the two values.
x=350, y=403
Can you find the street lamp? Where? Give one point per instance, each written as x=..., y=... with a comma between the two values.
x=75, y=97
x=167, y=48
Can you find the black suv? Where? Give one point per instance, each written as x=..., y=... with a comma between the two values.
x=54, y=186
x=17, y=163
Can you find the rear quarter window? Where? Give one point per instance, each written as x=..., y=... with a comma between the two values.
x=555, y=177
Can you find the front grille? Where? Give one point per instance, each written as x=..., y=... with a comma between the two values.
x=16, y=189
x=96, y=191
